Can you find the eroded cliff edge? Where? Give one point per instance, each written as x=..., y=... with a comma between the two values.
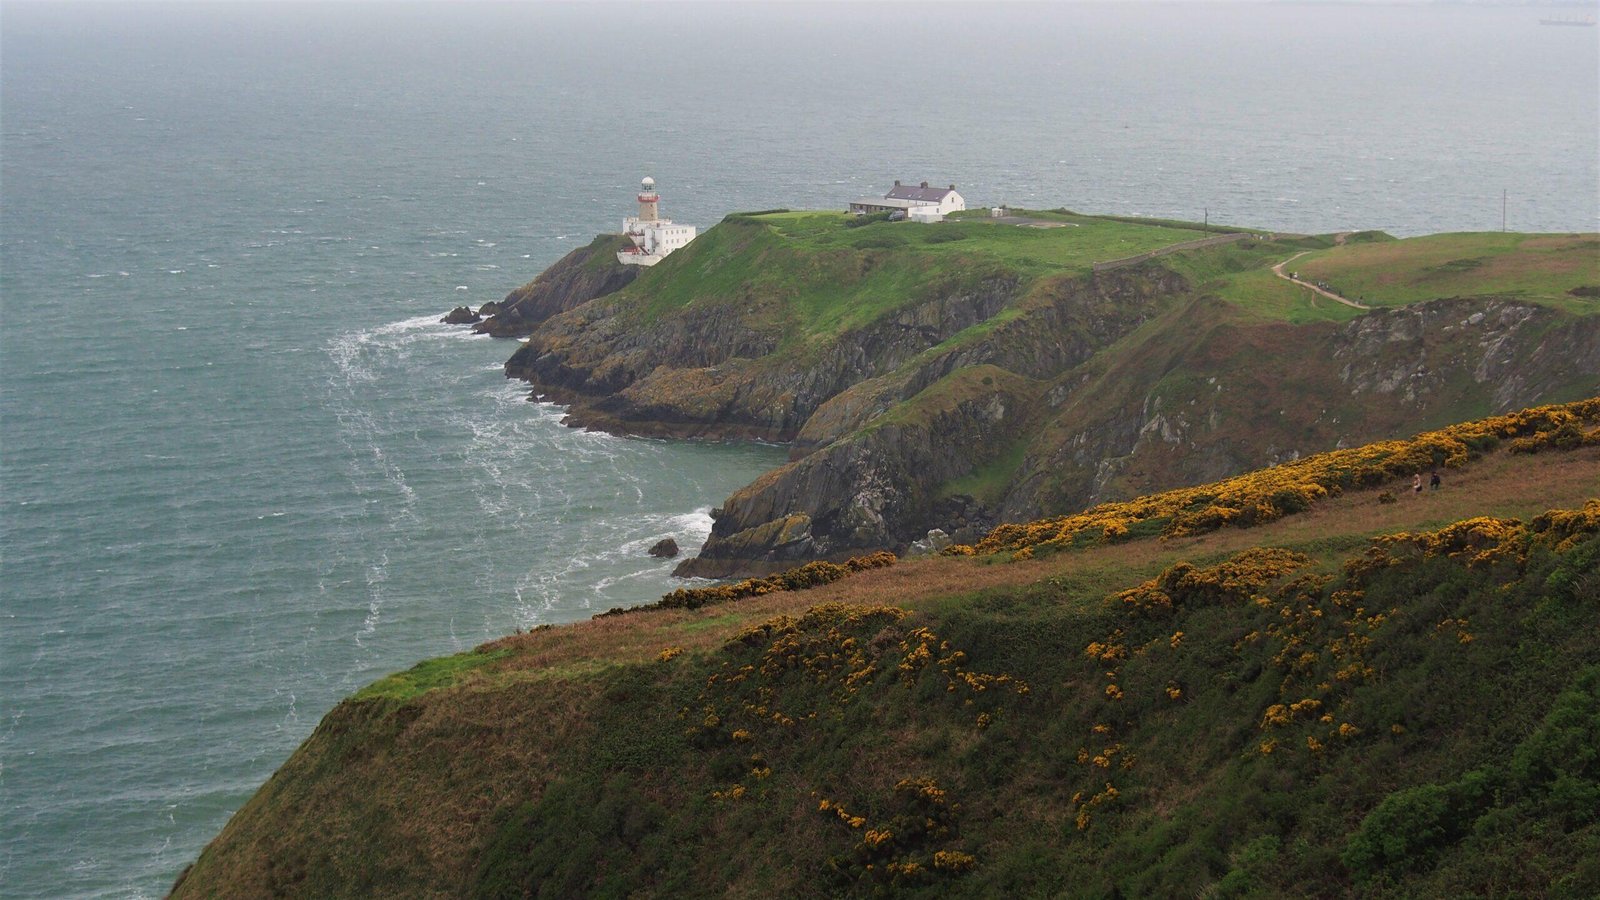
x=582, y=275
x=955, y=375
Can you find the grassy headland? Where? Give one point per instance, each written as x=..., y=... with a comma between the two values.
x=977, y=370
x=1548, y=269
x=1359, y=698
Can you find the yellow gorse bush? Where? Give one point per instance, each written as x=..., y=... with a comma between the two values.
x=1267, y=494
x=812, y=574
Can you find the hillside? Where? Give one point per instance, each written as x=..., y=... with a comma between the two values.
x=1351, y=691
x=978, y=371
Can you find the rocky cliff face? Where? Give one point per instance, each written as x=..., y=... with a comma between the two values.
x=580, y=276
x=989, y=394
x=870, y=463
x=725, y=370
x=1220, y=397
x=874, y=488
x=1201, y=397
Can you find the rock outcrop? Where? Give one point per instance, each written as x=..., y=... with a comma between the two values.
x=586, y=273
x=716, y=370
x=1218, y=396
x=984, y=393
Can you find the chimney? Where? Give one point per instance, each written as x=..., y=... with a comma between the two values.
x=952, y=187
x=897, y=182
x=924, y=184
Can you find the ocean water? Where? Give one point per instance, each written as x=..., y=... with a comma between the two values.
x=243, y=471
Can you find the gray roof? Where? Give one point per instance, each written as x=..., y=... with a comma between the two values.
x=924, y=194
x=882, y=203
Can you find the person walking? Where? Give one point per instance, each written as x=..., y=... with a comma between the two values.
x=1416, y=484
x=1433, y=481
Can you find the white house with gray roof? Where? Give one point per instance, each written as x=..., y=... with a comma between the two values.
x=928, y=202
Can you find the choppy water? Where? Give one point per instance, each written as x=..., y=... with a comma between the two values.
x=242, y=469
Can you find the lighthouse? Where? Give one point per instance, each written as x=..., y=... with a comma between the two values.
x=649, y=200
x=651, y=236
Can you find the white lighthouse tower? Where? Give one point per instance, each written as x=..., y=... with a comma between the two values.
x=653, y=237
x=649, y=200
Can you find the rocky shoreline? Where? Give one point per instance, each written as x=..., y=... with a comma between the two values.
x=990, y=396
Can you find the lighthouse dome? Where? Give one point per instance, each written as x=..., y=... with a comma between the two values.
x=648, y=183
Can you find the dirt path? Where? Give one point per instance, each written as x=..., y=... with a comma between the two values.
x=1278, y=271
x=1498, y=484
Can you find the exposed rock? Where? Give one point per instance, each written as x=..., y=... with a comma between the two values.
x=896, y=420
x=489, y=309
x=666, y=548
x=715, y=372
x=935, y=541
x=876, y=489
x=586, y=273
x=461, y=315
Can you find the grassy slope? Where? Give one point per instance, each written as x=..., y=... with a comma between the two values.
x=1541, y=268
x=831, y=277
x=820, y=277
x=1242, y=275
x=559, y=755
x=558, y=762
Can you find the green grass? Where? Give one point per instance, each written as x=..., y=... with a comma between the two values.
x=960, y=386
x=1540, y=268
x=988, y=483
x=1078, y=244
x=1242, y=275
x=820, y=276
x=604, y=251
x=621, y=779
x=428, y=675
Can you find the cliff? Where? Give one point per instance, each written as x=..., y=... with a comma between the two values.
x=1342, y=693
x=586, y=273
x=957, y=375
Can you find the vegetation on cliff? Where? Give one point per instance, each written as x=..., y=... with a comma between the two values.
x=586, y=273
x=975, y=371
x=1363, y=698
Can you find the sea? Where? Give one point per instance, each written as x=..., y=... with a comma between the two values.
x=244, y=470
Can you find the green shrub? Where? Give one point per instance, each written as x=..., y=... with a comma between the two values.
x=1558, y=766
x=868, y=219
x=1411, y=827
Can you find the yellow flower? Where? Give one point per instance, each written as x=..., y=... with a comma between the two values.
x=954, y=861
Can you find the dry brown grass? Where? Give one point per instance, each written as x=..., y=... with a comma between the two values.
x=1499, y=484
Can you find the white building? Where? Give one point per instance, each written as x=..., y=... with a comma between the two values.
x=929, y=203
x=653, y=237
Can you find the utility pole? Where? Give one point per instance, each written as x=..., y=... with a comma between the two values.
x=1502, y=210
x=1207, y=213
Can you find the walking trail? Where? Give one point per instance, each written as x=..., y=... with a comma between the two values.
x=1278, y=271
